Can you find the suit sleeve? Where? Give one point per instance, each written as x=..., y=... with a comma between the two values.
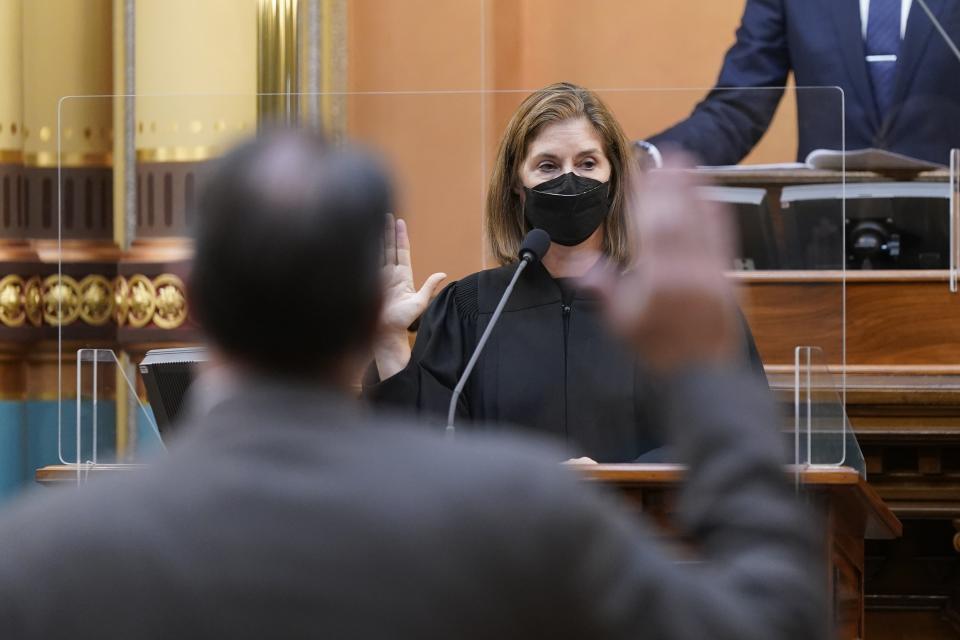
x=758, y=570
x=439, y=356
x=729, y=122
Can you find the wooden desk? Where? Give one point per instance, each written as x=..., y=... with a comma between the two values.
x=903, y=401
x=902, y=398
x=893, y=318
x=66, y=474
x=774, y=178
x=865, y=512
x=853, y=512
x=907, y=420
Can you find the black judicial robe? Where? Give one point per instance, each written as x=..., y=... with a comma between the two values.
x=550, y=365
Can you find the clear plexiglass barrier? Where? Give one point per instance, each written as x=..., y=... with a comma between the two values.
x=113, y=426
x=129, y=195
x=822, y=435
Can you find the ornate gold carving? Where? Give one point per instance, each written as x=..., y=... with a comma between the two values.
x=143, y=301
x=96, y=300
x=136, y=301
x=12, y=313
x=61, y=300
x=171, y=302
x=33, y=300
x=121, y=300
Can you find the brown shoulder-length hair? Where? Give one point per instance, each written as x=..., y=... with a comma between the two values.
x=505, y=222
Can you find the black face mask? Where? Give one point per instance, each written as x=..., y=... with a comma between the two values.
x=569, y=208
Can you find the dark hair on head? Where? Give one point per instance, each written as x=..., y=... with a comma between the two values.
x=289, y=241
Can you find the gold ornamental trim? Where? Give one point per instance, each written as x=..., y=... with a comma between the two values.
x=96, y=300
x=177, y=154
x=61, y=300
x=48, y=159
x=33, y=300
x=11, y=156
x=171, y=299
x=12, y=306
x=143, y=301
x=136, y=301
x=121, y=300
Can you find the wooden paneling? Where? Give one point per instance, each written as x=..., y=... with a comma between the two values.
x=907, y=421
x=892, y=317
x=932, y=624
x=852, y=510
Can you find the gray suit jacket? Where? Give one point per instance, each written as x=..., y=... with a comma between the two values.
x=292, y=514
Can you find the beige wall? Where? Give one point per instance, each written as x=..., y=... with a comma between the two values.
x=434, y=142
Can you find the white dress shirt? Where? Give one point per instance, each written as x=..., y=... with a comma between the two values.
x=865, y=15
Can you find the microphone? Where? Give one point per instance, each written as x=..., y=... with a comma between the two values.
x=535, y=245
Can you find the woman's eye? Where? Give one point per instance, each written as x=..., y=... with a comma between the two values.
x=589, y=164
x=546, y=166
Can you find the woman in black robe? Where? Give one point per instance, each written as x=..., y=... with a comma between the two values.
x=551, y=364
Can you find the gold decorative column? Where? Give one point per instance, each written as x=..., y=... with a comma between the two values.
x=67, y=51
x=196, y=74
x=11, y=107
x=278, y=80
x=302, y=63
x=194, y=69
x=12, y=245
x=62, y=48
x=325, y=71
x=14, y=252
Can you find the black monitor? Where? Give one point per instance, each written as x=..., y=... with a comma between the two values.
x=167, y=374
x=756, y=247
x=885, y=225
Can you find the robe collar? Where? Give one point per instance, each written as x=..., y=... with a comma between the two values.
x=535, y=288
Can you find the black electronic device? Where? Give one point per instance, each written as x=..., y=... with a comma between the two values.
x=167, y=375
x=884, y=225
x=756, y=247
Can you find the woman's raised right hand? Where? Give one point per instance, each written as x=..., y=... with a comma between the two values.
x=403, y=303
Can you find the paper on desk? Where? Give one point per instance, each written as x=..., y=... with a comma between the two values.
x=868, y=160
x=876, y=160
x=772, y=166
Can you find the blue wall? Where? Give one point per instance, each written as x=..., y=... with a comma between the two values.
x=13, y=450
x=28, y=439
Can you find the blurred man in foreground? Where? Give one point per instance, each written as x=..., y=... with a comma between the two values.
x=284, y=511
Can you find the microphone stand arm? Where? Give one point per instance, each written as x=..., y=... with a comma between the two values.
x=480, y=345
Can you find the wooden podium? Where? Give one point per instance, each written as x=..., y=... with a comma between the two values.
x=852, y=513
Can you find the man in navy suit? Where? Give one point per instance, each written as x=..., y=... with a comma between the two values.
x=899, y=80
